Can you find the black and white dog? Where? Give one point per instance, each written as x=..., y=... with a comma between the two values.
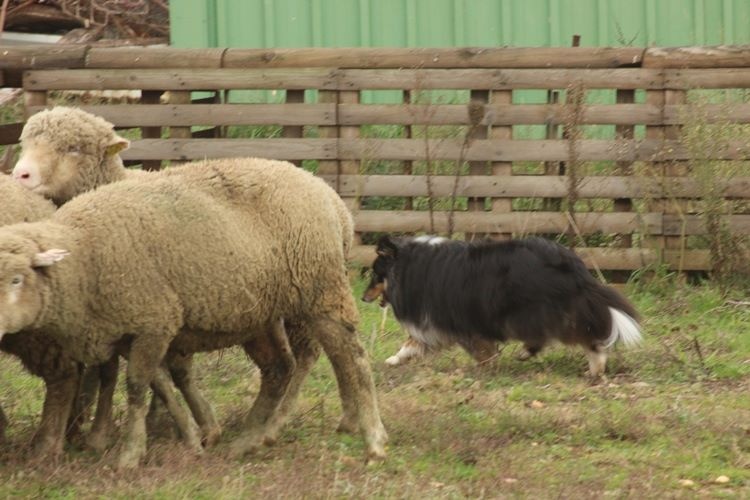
x=477, y=294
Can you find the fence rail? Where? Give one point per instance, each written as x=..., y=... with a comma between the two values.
x=635, y=187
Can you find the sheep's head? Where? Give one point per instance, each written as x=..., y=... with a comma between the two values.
x=22, y=283
x=65, y=152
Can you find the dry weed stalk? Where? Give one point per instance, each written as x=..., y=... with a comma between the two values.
x=573, y=133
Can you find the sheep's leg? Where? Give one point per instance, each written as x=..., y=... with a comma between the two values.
x=87, y=389
x=273, y=356
x=181, y=369
x=349, y=361
x=101, y=430
x=162, y=386
x=58, y=403
x=306, y=352
x=144, y=360
x=3, y=425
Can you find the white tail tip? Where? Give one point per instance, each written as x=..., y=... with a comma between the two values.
x=624, y=329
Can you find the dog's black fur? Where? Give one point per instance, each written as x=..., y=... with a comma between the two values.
x=532, y=290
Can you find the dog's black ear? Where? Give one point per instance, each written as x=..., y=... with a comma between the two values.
x=386, y=247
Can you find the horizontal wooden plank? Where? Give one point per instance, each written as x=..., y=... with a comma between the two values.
x=529, y=186
x=419, y=149
x=459, y=57
x=333, y=79
x=527, y=150
x=180, y=79
x=719, y=78
x=196, y=149
x=502, y=114
x=516, y=222
x=675, y=225
x=176, y=115
x=697, y=57
x=626, y=259
x=152, y=115
x=47, y=56
x=154, y=57
x=499, y=79
x=382, y=79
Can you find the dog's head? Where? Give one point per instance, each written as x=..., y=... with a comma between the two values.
x=387, y=251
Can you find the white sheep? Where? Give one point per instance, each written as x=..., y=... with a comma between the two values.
x=194, y=258
x=44, y=357
x=67, y=151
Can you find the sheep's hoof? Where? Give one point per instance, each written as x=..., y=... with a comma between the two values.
x=211, y=436
x=245, y=445
x=130, y=457
x=46, y=449
x=347, y=425
x=97, y=441
x=376, y=445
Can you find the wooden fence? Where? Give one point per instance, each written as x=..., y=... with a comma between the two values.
x=652, y=216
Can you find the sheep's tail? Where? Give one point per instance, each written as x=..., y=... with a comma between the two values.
x=625, y=329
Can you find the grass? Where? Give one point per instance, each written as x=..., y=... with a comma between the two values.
x=673, y=416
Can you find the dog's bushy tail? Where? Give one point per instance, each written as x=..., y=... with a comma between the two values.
x=606, y=317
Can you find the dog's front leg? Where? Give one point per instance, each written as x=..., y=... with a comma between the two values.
x=410, y=349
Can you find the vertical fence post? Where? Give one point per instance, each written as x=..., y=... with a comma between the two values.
x=624, y=132
x=294, y=131
x=179, y=97
x=408, y=134
x=502, y=168
x=350, y=167
x=151, y=97
x=477, y=97
x=33, y=98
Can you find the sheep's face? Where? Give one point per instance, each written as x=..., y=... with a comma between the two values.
x=60, y=174
x=22, y=283
x=44, y=170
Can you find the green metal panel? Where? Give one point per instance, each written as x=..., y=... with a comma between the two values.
x=447, y=23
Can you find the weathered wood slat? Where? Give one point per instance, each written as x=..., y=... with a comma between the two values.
x=651, y=223
x=415, y=149
x=461, y=57
x=498, y=79
x=36, y=56
x=195, y=149
x=530, y=186
x=517, y=222
x=697, y=57
x=9, y=133
x=154, y=57
x=180, y=79
x=141, y=115
x=719, y=78
x=627, y=259
x=134, y=115
x=335, y=79
x=527, y=150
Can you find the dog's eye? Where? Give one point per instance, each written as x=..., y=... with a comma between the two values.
x=16, y=281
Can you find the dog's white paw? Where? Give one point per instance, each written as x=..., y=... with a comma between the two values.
x=393, y=361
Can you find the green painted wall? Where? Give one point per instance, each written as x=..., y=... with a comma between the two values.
x=445, y=23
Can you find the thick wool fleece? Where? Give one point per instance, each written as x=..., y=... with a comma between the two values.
x=17, y=204
x=226, y=246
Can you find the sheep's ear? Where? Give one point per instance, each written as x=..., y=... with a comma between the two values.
x=46, y=259
x=386, y=247
x=117, y=144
